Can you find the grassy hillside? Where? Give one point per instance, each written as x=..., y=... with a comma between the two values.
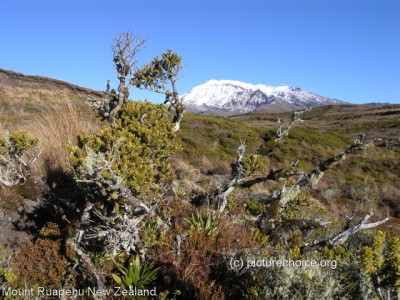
x=24, y=98
x=210, y=144
x=348, y=120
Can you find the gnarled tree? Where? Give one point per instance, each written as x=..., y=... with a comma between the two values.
x=122, y=169
x=124, y=51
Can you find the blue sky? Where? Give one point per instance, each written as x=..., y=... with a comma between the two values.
x=348, y=50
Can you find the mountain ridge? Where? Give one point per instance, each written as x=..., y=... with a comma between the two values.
x=228, y=97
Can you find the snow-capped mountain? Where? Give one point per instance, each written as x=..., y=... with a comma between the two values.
x=228, y=97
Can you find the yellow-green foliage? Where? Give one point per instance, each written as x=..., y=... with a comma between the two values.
x=164, y=294
x=253, y=163
x=383, y=261
x=372, y=256
x=154, y=232
x=158, y=72
x=392, y=264
x=294, y=252
x=335, y=253
x=8, y=276
x=231, y=205
x=145, y=137
x=294, y=207
x=259, y=238
x=17, y=142
x=255, y=208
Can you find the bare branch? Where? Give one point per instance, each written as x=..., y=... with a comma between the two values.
x=74, y=240
x=237, y=169
x=236, y=173
x=223, y=199
x=238, y=178
x=295, y=118
x=338, y=239
x=314, y=176
x=124, y=50
x=122, y=232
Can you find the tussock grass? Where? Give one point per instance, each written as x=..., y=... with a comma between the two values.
x=3, y=120
x=57, y=126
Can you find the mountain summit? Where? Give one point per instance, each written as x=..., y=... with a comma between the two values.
x=228, y=97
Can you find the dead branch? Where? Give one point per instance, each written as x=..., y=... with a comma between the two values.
x=296, y=117
x=288, y=193
x=312, y=178
x=119, y=227
x=236, y=173
x=122, y=232
x=237, y=169
x=124, y=51
x=338, y=239
x=239, y=179
x=74, y=240
x=179, y=108
x=223, y=199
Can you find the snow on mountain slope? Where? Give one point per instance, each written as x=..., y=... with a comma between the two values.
x=232, y=97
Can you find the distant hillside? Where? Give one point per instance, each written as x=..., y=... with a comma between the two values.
x=351, y=120
x=24, y=95
x=31, y=82
x=378, y=103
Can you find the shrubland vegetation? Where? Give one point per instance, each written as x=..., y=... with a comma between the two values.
x=138, y=196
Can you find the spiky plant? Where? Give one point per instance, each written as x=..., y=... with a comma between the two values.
x=204, y=221
x=135, y=274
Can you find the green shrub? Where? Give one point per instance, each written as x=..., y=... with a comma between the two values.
x=381, y=260
x=255, y=208
x=17, y=142
x=18, y=152
x=137, y=148
x=253, y=163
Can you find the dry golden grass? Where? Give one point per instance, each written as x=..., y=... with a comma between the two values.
x=183, y=170
x=3, y=121
x=56, y=127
